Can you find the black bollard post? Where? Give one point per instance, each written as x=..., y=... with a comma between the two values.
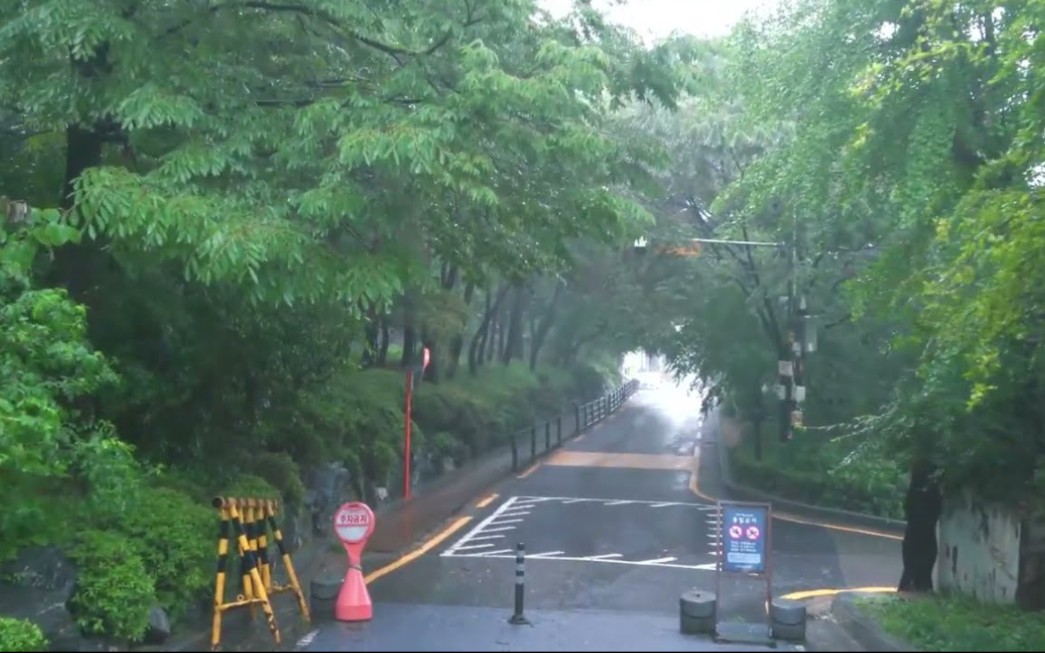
x=517, y=617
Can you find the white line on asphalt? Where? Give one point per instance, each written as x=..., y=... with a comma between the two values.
x=473, y=546
x=476, y=538
x=513, y=512
x=307, y=639
x=523, y=500
x=501, y=522
x=546, y=554
x=481, y=525
x=657, y=561
x=498, y=530
x=604, y=556
x=508, y=555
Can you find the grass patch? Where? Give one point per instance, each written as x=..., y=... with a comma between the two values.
x=959, y=623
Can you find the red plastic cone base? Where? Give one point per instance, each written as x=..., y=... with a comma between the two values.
x=353, y=601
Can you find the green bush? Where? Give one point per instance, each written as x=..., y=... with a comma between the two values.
x=21, y=635
x=175, y=537
x=280, y=470
x=822, y=473
x=114, y=592
x=959, y=623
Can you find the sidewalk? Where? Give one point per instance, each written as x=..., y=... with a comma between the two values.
x=400, y=524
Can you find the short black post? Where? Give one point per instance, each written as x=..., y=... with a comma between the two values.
x=547, y=436
x=517, y=617
x=558, y=429
x=533, y=443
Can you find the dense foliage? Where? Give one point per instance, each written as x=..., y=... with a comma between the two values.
x=228, y=226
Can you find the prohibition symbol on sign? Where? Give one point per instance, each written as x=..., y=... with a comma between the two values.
x=752, y=532
x=735, y=532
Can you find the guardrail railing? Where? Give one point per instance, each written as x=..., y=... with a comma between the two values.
x=529, y=444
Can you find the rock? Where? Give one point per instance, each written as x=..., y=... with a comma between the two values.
x=159, y=626
x=44, y=568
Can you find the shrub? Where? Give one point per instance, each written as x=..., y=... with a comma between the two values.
x=174, y=536
x=114, y=593
x=282, y=473
x=21, y=635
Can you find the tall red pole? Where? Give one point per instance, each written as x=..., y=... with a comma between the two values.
x=406, y=428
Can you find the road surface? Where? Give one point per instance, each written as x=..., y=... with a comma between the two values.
x=614, y=532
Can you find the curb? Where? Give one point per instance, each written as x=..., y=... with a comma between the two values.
x=801, y=509
x=863, y=629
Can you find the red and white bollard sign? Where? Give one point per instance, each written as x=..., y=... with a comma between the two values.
x=354, y=524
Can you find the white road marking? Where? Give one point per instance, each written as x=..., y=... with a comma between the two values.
x=546, y=554
x=604, y=556
x=657, y=561
x=507, y=555
x=481, y=525
x=498, y=530
x=524, y=500
x=476, y=538
x=307, y=639
x=516, y=513
x=502, y=522
x=473, y=546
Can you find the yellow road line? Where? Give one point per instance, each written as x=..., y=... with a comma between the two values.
x=812, y=594
x=694, y=487
x=430, y=544
x=532, y=469
x=487, y=501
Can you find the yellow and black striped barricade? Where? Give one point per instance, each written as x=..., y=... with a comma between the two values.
x=248, y=518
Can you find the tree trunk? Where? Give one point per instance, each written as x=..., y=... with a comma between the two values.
x=483, y=337
x=514, y=339
x=370, y=343
x=382, y=353
x=922, y=508
x=497, y=350
x=453, y=361
x=545, y=327
x=409, y=343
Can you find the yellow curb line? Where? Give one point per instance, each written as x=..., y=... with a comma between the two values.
x=487, y=501
x=429, y=544
x=812, y=594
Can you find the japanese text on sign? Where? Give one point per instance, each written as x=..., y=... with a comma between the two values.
x=743, y=539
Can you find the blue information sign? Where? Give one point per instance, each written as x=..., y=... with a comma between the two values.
x=744, y=539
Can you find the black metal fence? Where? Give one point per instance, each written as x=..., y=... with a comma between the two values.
x=527, y=445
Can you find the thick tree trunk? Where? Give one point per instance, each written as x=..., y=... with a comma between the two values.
x=922, y=508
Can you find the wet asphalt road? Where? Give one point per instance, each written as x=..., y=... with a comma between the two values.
x=614, y=534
